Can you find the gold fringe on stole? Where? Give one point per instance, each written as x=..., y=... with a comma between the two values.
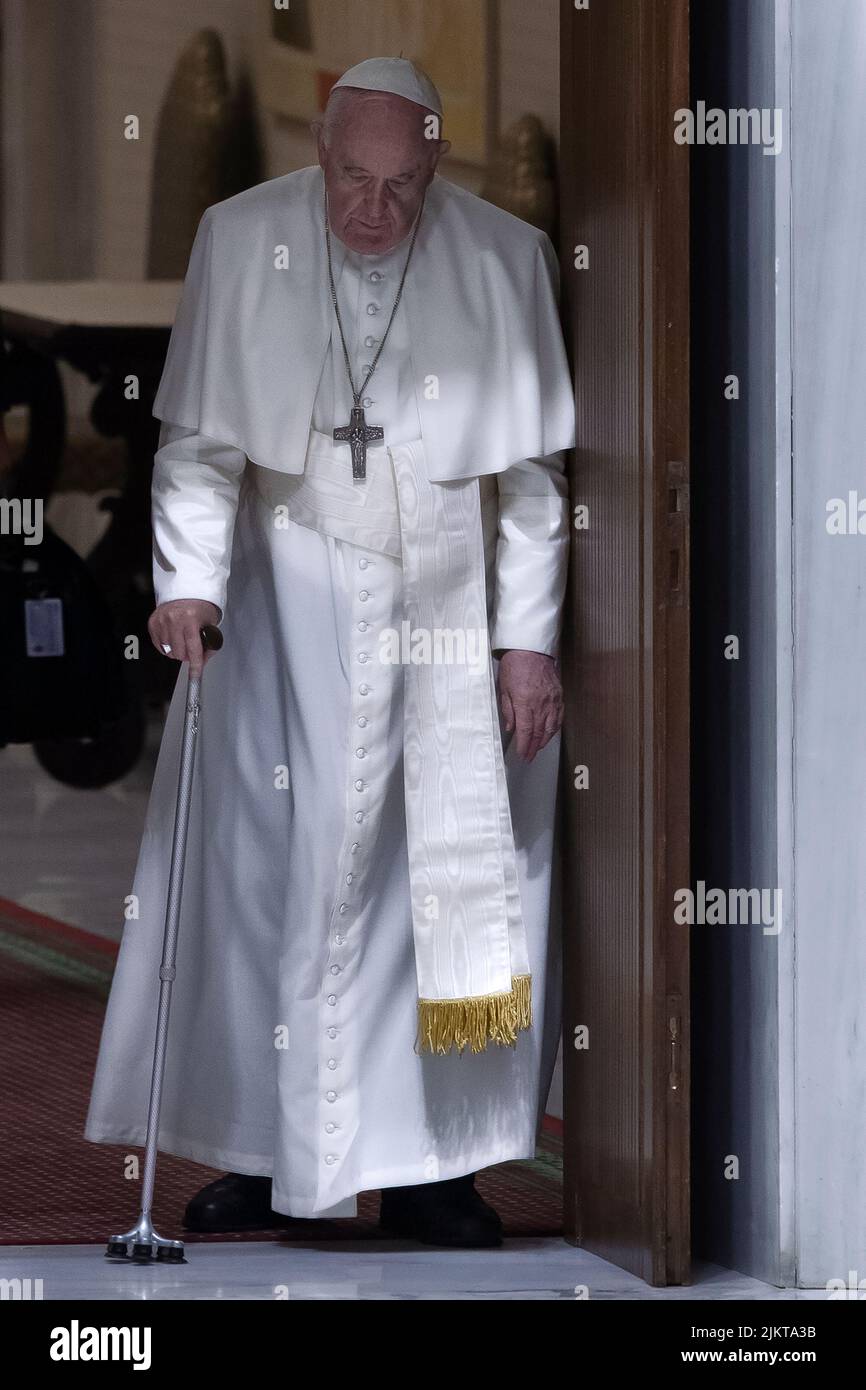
x=474, y=1022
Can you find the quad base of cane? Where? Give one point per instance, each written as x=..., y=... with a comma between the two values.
x=142, y=1245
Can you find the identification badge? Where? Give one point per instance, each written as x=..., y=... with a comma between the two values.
x=43, y=624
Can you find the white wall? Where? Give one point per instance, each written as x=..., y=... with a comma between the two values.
x=790, y=1057
x=46, y=116
x=135, y=48
x=828, y=213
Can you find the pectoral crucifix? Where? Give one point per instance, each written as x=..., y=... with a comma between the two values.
x=358, y=434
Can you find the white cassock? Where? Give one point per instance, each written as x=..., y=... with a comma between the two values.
x=291, y=1047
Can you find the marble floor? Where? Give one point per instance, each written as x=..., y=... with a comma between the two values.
x=67, y=853
x=341, y=1271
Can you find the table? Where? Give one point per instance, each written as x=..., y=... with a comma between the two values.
x=109, y=330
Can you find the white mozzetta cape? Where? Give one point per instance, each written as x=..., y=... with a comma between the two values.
x=251, y=333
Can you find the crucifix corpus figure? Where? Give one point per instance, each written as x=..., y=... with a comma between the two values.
x=359, y=434
x=367, y=977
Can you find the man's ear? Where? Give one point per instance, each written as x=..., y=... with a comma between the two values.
x=444, y=147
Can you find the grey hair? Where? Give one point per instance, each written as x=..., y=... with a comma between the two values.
x=336, y=113
x=336, y=110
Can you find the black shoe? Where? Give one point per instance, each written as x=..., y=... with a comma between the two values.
x=449, y=1213
x=236, y=1202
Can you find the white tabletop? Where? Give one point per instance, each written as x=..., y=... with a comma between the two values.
x=42, y=306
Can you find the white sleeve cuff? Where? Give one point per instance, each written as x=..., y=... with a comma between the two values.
x=531, y=556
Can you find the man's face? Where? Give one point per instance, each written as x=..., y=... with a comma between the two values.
x=377, y=165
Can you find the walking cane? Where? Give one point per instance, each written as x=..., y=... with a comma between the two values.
x=142, y=1243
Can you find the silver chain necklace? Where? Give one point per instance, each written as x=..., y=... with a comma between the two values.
x=358, y=434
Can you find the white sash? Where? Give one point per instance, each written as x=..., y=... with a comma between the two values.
x=470, y=946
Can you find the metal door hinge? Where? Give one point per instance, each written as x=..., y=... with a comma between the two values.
x=674, y=1041
x=677, y=532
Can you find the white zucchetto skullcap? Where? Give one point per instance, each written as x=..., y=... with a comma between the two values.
x=395, y=75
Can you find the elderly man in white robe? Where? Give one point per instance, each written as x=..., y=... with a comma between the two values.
x=360, y=476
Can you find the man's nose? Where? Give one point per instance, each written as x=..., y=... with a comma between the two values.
x=377, y=202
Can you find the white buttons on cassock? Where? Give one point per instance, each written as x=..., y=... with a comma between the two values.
x=372, y=308
x=367, y=402
x=375, y=276
x=372, y=698
x=369, y=341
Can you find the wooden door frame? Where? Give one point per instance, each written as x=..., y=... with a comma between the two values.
x=651, y=1236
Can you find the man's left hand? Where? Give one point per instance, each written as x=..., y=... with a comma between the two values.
x=530, y=695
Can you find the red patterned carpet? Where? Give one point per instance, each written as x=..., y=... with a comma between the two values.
x=58, y=1189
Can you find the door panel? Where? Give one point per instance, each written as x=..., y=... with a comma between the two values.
x=625, y=197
